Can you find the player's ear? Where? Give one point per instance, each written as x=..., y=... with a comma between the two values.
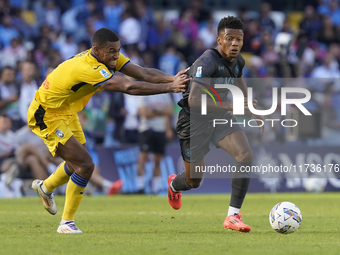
x=95, y=49
x=219, y=40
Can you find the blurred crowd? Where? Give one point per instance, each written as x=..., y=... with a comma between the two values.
x=293, y=48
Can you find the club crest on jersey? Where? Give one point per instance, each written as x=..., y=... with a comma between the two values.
x=104, y=73
x=198, y=72
x=236, y=70
x=60, y=133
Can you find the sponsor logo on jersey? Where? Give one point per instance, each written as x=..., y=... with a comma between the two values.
x=221, y=68
x=104, y=73
x=60, y=133
x=199, y=72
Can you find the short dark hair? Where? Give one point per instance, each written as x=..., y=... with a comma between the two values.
x=102, y=36
x=229, y=22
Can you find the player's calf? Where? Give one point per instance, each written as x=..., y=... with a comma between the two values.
x=194, y=183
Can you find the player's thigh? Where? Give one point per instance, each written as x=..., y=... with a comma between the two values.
x=237, y=145
x=194, y=138
x=75, y=154
x=74, y=151
x=53, y=128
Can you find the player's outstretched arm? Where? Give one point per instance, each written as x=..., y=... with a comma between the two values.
x=122, y=84
x=149, y=74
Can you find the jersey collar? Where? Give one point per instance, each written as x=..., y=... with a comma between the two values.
x=220, y=56
x=94, y=55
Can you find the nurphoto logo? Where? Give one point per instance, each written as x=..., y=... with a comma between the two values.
x=239, y=108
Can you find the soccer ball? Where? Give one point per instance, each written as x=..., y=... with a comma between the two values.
x=285, y=218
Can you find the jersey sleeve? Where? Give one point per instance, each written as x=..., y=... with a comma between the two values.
x=98, y=77
x=202, y=68
x=241, y=64
x=121, y=62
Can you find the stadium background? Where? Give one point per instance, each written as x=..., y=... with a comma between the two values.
x=283, y=40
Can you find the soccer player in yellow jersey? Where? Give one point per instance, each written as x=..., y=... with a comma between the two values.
x=52, y=114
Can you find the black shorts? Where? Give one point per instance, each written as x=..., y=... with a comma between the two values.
x=195, y=135
x=151, y=141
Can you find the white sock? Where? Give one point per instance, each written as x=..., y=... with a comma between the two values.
x=233, y=210
x=51, y=168
x=64, y=221
x=106, y=185
x=44, y=189
x=140, y=182
x=156, y=184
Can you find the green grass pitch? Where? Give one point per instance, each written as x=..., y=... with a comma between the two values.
x=148, y=225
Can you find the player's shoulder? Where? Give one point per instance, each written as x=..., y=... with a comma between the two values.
x=207, y=59
x=84, y=61
x=211, y=54
x=91, y=66
x=121, y=62
x=240, y=60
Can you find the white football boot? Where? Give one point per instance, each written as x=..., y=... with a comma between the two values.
x=68, y=227
x=47, y=199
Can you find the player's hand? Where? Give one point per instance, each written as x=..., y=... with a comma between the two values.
x=181, y=72
x=258, y=119
x=179, y=84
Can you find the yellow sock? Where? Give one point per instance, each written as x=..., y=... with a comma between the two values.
x=60, y=176
x=74, y=194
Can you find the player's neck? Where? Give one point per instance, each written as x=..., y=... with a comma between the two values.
x=229, y=59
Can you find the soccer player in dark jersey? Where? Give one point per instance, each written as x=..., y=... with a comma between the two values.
x=195, y=131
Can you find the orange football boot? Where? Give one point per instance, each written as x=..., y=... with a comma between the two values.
x=234, y=222
x=174, y=198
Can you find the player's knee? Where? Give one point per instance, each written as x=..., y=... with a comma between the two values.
x=87, y=166
x=194, y=183
x=245, y=156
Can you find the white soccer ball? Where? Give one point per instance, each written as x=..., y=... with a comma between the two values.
x=285, y=218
